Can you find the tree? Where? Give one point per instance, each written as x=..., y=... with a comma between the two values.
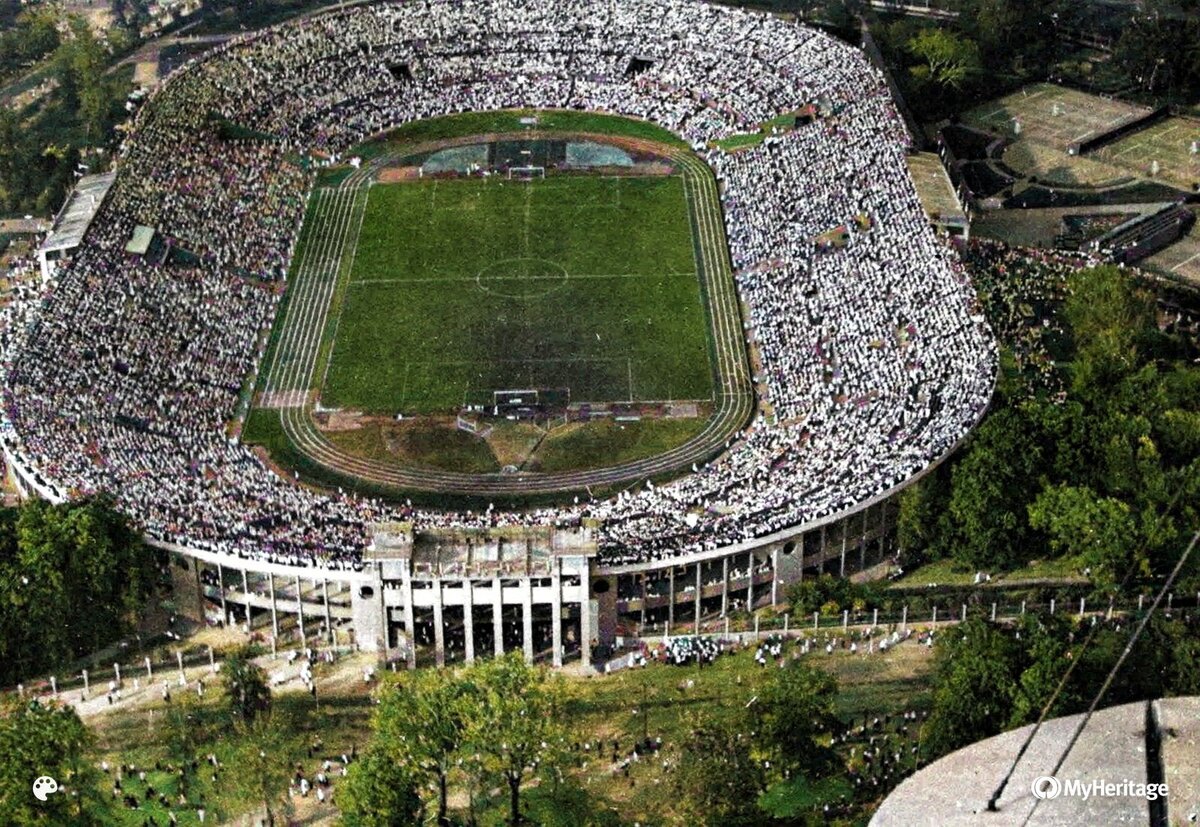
x=975, y=669
x=46, y=739
x=73, y=578
x=716, y=780
x=379, y=792
x=424, y=715
x=246, y=686
x=260, y=764
x=34, y=35
x=991, y=486
x=1047, y=653
x=794, y=711
x=920, y=525
x=514, y=723
x=1106, y=315
x=947, y=59
x=1182, y=642
x=1012, y=33
x=1101, y=531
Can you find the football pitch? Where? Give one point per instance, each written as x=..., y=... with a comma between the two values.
x=462, y=287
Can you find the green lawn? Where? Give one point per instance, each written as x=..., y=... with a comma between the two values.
x=419, y=443
x=609, y=443
x=509, y=120
x=663, y=701
x=462, y=287
x=947, y=573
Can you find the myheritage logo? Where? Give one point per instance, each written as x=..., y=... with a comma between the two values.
x=1049, y=787
x=1046, y=786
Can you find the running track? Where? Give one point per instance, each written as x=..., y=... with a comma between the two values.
x=333, y=229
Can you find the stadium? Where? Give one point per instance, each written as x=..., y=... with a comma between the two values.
x=691, y=220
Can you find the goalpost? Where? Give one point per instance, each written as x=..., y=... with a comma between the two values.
x=526, y=173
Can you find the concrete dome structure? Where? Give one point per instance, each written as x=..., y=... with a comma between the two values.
x=1129, y=747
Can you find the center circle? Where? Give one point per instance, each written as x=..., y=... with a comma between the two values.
x=521, y=278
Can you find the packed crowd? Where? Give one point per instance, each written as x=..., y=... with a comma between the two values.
x=1021, y=290
x=875, y=361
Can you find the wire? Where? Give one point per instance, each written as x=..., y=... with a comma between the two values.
x=999, y=791
x=1112, y=673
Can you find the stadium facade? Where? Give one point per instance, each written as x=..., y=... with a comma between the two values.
x=874, y=356
x=542, y=591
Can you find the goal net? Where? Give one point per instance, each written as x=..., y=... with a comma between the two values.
x=526, y=173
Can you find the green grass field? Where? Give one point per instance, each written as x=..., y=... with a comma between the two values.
x=1169, y=142
x=462, y=287
x=510, y=121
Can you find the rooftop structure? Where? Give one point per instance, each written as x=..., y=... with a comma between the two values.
x=73, y=220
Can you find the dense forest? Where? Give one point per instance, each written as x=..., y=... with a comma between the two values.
x=1095, y=453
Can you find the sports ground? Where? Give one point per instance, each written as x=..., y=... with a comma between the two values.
x=1053, y=115
x=414, y=296
x=462, y=287
x=1167, y=142
x=1052, y=118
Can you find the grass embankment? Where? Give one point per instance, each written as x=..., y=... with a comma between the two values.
x=613, y=707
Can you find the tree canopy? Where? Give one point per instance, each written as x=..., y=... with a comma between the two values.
x=39, y=739
x=494, y=723
x=245, y=686
x=514, y=725
x=946, y=58
x=380, y=792
x=795, y=714
x=1104, y=471
x=421, y=723
x=990, y=677
x=73, y=578
x=41, y=143
x=717, y=779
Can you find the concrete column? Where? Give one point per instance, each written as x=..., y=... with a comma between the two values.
x=750, y=582
x=775, y=576
x=274, y=610
x=862, y=548
x=882, y=530
x=725, y=586
x=527, y=617
x=328, y=613
x=439, y=635
x=300, y=608
x=468, y=591
x=498, y=615
x=410, y=614
x=221, y=593
x=385, y=619
x=585, y=620
x=671, y=592
x=800, y=549
x=642, y=579
x=556, y=657
x=246, y=592
x=699, y=587
x=200, y=601
x=842, y=569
